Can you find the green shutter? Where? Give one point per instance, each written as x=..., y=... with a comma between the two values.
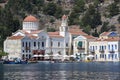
x=80, y=44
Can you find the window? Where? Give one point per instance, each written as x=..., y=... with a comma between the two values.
x=96, y=47
x=22, y=44
x=105, y=56
x=23, y=51
x=66, y=44
x=34, y=44
x=96, y=56
x=51, y=44
x=115, y=46
x=58, y=44
x=108, y=56
x=93, y=48
x=29, y=44
x=42, y=44
x=112, y=47
x=115, y=56
x=100, y=47
x=104, y=47
x=26, y=44
x=109, y=47
x=38, y=45
x=79, y=45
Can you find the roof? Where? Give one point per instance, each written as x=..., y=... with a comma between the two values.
x=74, y=30
x=89, y=37
x=109, y=39
x=54, y=34
x=30, y=19
x=15, y=37
x=35, y=31
x=104, y=34
x=77, y=32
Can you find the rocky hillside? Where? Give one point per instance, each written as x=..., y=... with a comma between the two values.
x=93, y=16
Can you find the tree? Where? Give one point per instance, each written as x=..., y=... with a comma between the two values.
x=51, y=30
x=91, y=18
x=113, y=9
x=3, y=54
x=95, y=33
x=79, y=6
x=73, y=18
x=50, y=9
x=105, y=27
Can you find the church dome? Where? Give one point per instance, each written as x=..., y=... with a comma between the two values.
x=30, y=23
x=30, y=19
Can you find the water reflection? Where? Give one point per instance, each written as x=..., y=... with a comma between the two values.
x=63, y=71
x=1, y=72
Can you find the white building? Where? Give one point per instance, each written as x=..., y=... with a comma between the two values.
x=81, y=46
x=32, y=42
x=106, y=47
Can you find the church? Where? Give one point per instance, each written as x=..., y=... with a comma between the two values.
x=31, y=42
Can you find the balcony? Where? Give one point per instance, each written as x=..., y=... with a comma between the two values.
x=80, y=48
x=101, y=51
x=111, y=51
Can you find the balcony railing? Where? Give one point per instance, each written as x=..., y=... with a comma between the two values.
x=101, y=51
x=111, y=51
x=80, y=48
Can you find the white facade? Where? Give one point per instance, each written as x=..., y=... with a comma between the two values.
x=13, y=47
x=32, y=42
x=106, y=48
x=30, y=25
x=81, y=46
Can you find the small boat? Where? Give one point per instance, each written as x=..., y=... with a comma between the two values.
x=15, y=62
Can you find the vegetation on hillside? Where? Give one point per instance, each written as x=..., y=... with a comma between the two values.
x=85, y=13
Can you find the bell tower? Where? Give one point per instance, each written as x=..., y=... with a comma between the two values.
x=64, y=26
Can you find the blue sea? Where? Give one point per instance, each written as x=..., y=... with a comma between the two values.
x=61, y=71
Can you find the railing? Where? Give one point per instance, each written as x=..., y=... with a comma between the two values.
x=101, y=51
x=92, y=51
x=80, y=48
x=111, y=51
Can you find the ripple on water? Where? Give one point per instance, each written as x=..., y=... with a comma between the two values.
x=62, y=71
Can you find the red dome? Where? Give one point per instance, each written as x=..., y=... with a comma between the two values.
x=30, y=19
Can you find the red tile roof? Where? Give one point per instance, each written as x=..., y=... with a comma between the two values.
x=30, y=19
x=89, y=37
x=104, y=34
x=53, y=33
x=109, y=39
x=15, y=37
x=56, y=36
x=76, y=31
x=35, y=31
